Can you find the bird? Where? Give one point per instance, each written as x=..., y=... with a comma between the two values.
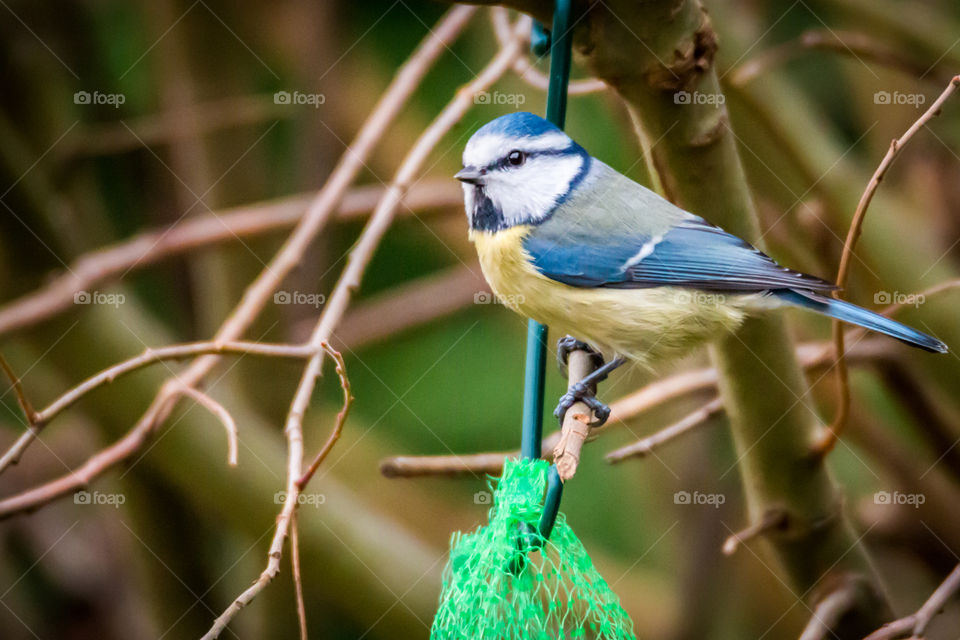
x=618, y=270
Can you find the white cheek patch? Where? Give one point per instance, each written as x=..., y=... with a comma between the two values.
x=526, y=194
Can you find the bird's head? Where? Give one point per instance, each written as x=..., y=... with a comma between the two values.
x=517, y=169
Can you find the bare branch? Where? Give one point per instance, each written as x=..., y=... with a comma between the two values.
x=341, y=370
x=814, y=355
x=688, y=423
x=147, y=358
x=861, y=45
x=218, y=410
x=25, y=406
x=297, y=578
x=772, y=519
x=349, y=281
x=828, y=613
x=915, y=624
x=106, y=264
x=530, y=74
x=576, y=422
x=258, y=293
x=827, y=441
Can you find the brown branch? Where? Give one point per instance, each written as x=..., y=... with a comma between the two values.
x=412, y=304
x=349, y=280
x=167, y=127
x=773, y=519
x=828, y=613
x=827, y=441
x=22, y=400
x=297, y=579
x=576, y=422
x=852, y=43
x=645, y=446
x=812, y=356
x=524, y=68
x=221, y=413
x=259, y=292
x=341, y=370
x=109, y=263
x=147, y=358
x=915, y=625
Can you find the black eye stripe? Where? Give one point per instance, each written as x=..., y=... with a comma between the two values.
x=504, y=162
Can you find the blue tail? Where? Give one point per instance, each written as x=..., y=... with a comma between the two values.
x=853, y=314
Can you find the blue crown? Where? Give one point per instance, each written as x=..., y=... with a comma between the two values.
x=518, y=125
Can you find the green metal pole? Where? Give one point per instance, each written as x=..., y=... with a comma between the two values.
x=560, y=50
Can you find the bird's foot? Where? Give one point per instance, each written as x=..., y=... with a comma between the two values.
x=567, y=345
x=581, y=392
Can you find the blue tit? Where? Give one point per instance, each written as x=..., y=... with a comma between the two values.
x=568, y=241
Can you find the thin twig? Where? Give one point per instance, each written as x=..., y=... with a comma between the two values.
x=22, y=400
x=221, y=413
x=688, y=423
x=828, y=613
x=814, y=355
x=261, y=289
x=341, y=370
x=349, y=280
x=915, y=625
x=773, y=519
x=297, y=578
x=109, y=263
x=524, y=68
x=827, y=441
x=860, y=45
x=148, y=357
x=411, y=304
x=161, y=128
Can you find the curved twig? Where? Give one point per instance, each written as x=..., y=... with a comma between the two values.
x=829, y=438
x=916, y=623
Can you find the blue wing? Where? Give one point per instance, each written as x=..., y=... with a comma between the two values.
x=692, y=253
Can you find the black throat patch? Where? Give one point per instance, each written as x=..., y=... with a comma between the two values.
x=485, y=216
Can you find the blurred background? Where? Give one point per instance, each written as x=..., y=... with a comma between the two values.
x=123, y=118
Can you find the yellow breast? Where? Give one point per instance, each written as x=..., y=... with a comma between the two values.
x=646, y=325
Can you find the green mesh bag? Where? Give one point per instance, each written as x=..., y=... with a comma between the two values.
x=492, y=589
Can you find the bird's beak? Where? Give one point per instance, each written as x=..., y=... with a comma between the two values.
x=470, y=175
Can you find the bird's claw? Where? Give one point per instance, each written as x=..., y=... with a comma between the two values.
x=582, y=393
x=567, y=345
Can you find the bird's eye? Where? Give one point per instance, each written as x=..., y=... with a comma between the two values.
x=516, y=157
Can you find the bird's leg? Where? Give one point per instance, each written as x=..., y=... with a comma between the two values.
x=568, y=344
x=585, y=391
